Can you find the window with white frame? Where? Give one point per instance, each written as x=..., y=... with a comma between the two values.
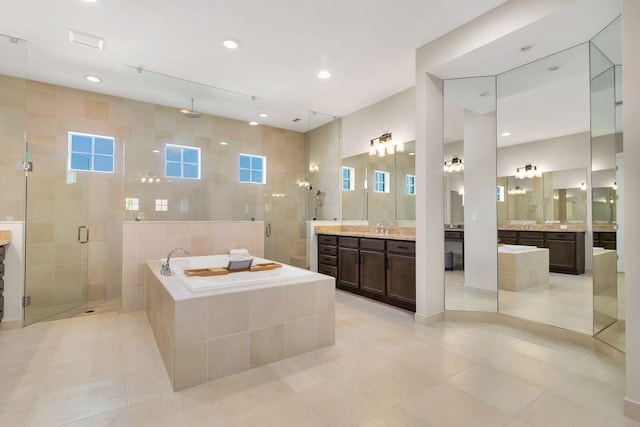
x=381, y=182
x=410, y=185
x=132, y=204
x=182, y=161
x=162, y=205
x=92, y=153
x=348, y=178
x=253, y=169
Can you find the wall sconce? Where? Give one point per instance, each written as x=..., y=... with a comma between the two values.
x=556, y=196
x=528, y=171
x=583, y=186
x=383, y=145
x=454, y=165
x=517, y=190
x=313, y=168
x=614, y=186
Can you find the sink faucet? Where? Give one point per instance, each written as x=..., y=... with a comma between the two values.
x=165, y=270
x=380, y=228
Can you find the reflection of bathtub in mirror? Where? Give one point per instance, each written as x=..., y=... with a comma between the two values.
x=604, y=270
x=522, y=267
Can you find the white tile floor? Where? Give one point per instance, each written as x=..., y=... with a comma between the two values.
x=384, y=370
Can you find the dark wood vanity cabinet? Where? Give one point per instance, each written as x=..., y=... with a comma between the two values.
x=566, y=252
x=381, y=269
x=566, y=248
x=605, y=239
x=2, y=251
x=372, y=265
x=401, y=273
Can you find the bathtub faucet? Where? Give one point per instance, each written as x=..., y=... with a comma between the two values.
x=165, y=270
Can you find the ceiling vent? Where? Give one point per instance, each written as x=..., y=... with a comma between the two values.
x=86, y=39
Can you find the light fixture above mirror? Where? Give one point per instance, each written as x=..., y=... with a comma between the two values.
x=454, y=165
x=384, y=145
x=528, y=171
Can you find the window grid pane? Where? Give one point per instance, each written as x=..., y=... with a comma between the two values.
x=91, y=153
x=252, y=169
x=182, y=161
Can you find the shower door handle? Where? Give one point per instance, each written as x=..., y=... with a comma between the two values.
x=86, y=238
x=268, y=230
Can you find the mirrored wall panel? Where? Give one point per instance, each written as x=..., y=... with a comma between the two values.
x=607, y=165
x=469, y=194
x=543, y=202
x=380, y=189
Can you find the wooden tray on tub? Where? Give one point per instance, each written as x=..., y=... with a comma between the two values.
x=221, y=271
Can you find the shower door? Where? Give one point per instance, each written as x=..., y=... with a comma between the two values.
x=56, y=234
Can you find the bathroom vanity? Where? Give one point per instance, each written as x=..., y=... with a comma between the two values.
x=375, y=265
x=4, y=241
x=566, y=248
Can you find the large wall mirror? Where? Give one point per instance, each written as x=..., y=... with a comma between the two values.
x=469, y=194
x=380, y=189
x=542, y=181
x=607, y=185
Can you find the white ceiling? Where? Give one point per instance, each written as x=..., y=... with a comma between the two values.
x=367, y=45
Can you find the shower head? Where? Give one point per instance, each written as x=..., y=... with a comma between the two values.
x=190, y=113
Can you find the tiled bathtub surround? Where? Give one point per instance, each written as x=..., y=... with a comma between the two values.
x=213, y=334
x=148, y=241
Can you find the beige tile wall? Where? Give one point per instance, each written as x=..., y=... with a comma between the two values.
x=147, y=241
x=211, y=336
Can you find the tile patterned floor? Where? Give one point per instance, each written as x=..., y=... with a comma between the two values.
x=105, y=370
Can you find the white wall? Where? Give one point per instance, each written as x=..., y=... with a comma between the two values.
x=14, y=272
x=395, y=114
x=631, y=112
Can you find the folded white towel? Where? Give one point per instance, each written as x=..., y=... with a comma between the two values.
x=239, y=254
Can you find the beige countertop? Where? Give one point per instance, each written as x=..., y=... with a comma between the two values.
x=5, y=237
x=397, y=233
x=544, y=227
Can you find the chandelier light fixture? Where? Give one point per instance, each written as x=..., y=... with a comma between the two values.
x=384, y=145
x=528, y=171
x=454, y=165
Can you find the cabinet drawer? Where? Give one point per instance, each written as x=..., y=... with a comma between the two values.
x=401, y=247
x=324, y=239
x=531, y=235
x=348, y=242
x=453, y=235
x=2, y=250
x=608, y=236
x=327, y=250
x=327, y=259
x=561, y=236
x=329, y=270
x=1, y=286
x=507, y=233
x=372, y=244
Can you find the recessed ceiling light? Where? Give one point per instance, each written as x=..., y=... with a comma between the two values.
x=553, y=68
x=224, y=143
x=324, y=74
x=505, y=134
x=230, y=44
x=253, y=123
x=525, y=48
x=263, y=115
x=93, y=79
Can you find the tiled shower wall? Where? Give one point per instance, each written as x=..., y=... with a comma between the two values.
x=59, y=201
x=147, y=241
